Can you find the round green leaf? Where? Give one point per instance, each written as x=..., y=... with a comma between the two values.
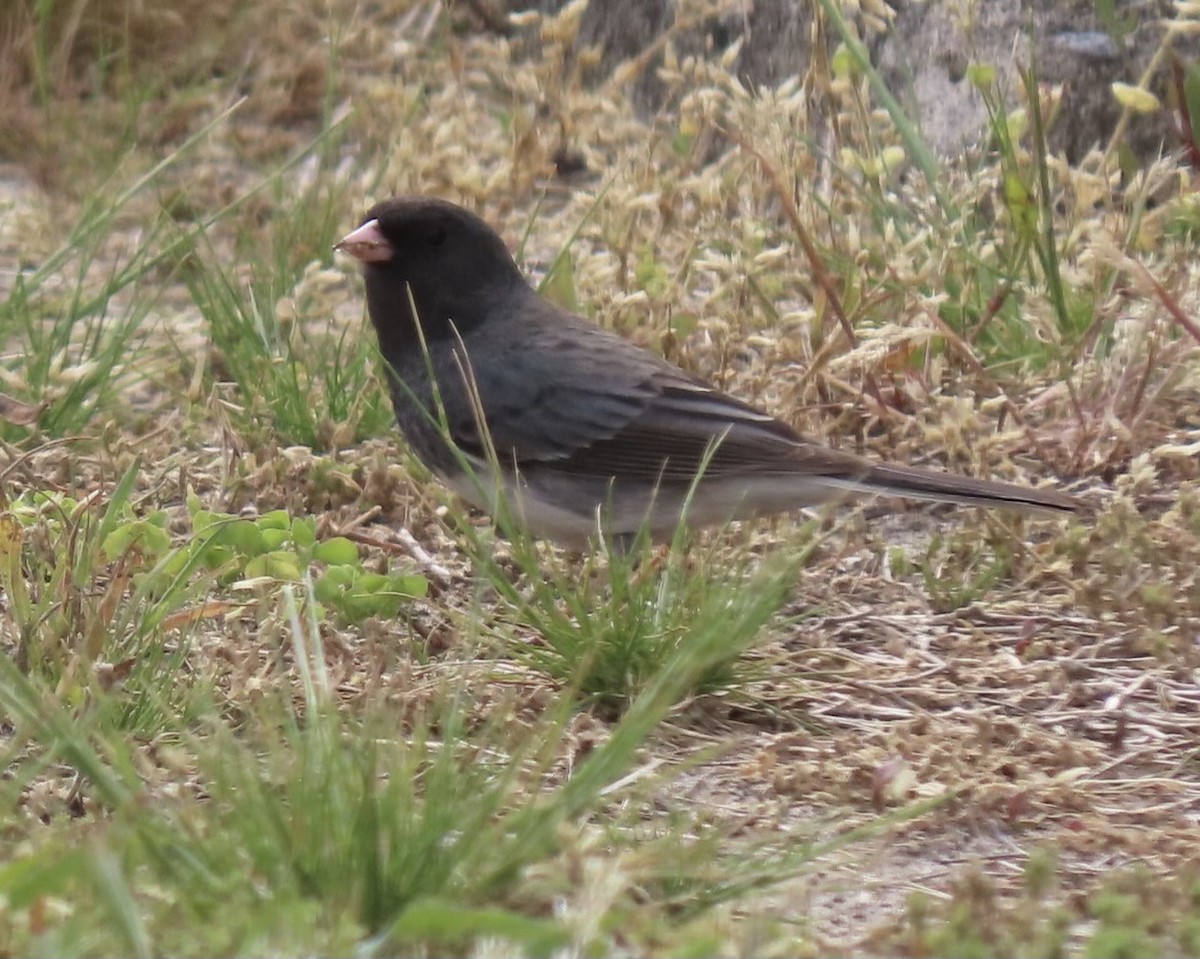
x=244, y=536
x=277, y=519
x=304, y=532
x=337, y=551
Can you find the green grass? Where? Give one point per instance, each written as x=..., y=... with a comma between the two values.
x=608, y=628
x=89, y=586
x=308, y=387
x=425, y=834
x=268, y=317
x=74, y=335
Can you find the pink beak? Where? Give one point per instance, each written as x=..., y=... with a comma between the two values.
x=367, y=243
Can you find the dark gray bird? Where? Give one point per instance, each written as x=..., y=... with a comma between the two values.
x=589, y=432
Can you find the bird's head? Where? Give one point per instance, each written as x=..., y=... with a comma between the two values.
x=453, y=263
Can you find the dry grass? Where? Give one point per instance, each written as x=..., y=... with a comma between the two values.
x=1055, y=703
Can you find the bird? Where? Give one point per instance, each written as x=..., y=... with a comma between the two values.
x=577, y=434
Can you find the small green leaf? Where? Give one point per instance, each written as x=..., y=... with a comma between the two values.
x=337, y=551
x=1020, y=204
x=304, y=532
x=356, y=608
x=276, y=519
x=650, y=274
x=373, y=582
x=342, y=575
x=843, y=63
x=412, y=584
x=1191, y=96
x=216, y=555
x=140, y=535
x=558, y=286
x=327, y=591
x=170, y=567
x=243, y=536
x=279, y=564
x=1135, y=98
x=982, y=76
x=275, y=538
x=203, y=519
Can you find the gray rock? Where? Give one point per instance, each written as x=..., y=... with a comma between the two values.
x=925, y=55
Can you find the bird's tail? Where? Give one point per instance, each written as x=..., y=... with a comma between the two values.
x=917, y=483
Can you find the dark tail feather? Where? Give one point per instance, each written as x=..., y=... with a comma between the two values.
x=917, y=483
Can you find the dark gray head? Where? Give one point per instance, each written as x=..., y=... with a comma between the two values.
x=455, y=265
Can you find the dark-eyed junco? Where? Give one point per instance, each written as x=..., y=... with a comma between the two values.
x=589, y=432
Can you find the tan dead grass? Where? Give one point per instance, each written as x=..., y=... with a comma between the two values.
x=1060, y=708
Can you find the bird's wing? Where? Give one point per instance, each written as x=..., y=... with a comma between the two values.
x=687, y=427
x=578, y=399
x=547, y=392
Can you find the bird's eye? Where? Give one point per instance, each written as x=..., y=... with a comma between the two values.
x=437, y=236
